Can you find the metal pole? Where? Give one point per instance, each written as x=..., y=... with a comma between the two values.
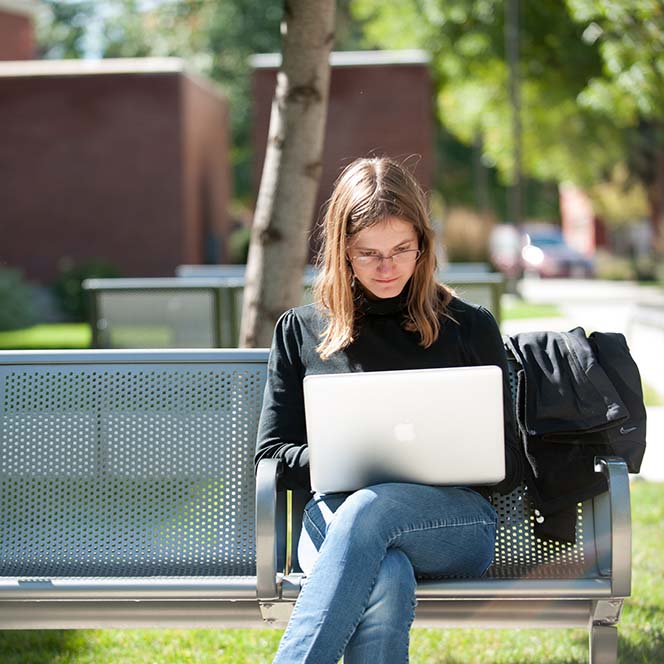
x=514, y=201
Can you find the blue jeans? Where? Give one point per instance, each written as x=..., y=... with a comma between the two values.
x=360, y=595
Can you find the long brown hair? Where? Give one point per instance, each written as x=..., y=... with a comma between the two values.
x=367, y=192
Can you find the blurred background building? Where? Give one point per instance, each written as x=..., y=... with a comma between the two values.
x=124, y=161
x=17, y=34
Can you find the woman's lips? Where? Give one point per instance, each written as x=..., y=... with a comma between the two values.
x=386, y=281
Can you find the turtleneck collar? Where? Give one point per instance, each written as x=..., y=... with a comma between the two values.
x=385, y=306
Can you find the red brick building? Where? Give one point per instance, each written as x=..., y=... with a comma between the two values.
x=381, y=103
x=124, y=161
x=17, y=38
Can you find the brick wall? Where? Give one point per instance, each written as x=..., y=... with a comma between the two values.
x=17, y=40
x=106, y=166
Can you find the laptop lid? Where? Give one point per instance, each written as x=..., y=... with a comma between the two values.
x=427, y=426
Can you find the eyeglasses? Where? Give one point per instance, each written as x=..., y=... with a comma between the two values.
x=405, y=257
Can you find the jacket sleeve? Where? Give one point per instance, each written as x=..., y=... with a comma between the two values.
x=281, y=428
x=486, y=346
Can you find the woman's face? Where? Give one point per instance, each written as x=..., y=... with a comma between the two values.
x=390, y=237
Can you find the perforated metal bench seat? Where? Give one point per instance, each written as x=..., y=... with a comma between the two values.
x=128, y=499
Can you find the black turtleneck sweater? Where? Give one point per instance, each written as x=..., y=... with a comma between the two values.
x=380, y=345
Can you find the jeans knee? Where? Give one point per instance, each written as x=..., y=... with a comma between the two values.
x=394, y=590
x=370, y=512
x=359, y=515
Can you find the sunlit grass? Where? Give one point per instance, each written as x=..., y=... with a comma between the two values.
x=78, y=335
x=520, y=309
x=48, y=336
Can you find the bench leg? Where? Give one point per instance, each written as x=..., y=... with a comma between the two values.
x=603, y=644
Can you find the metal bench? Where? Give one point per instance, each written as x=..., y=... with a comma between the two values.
x=129, y=500
x=204, y=311
x=472, y=281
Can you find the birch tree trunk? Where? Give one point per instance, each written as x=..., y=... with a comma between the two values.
x=291, y=171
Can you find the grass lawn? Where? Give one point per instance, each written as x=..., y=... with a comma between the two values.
x=641, y=627
x=650, y=396
x=78, y=335
x=48, y=336
x=518, y=309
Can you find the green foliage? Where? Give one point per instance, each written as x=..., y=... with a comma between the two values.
x=68, y=285
x=62, y=30
x=619, y=200
x=467, y=44
x=238, y=245
x=591, y=74
x=16, y=307
x=463, y=182
x=630, y=38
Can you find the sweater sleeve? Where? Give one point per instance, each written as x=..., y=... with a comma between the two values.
x=486, y=345
x=282, y=428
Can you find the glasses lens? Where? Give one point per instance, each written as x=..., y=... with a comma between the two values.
x=406, y=256
x=401, y=257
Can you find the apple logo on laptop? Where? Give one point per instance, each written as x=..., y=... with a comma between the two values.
x=404, y=432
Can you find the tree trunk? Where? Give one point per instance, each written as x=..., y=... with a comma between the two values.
x=656, y=200
x=291, y=170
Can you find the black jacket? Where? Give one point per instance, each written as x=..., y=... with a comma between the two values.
x=577, y=397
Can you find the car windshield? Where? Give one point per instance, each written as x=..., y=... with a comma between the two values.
x=546, y=240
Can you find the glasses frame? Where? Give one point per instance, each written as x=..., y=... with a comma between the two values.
x=375, y=260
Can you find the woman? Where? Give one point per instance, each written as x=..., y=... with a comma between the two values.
x=377, y=306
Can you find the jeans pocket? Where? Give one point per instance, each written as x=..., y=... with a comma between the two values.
x=491, y=528
x=314, y=523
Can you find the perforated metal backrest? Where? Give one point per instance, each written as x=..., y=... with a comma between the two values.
x=116, y=468
x=519, y=552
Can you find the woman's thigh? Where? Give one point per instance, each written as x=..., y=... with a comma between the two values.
x=443, y=530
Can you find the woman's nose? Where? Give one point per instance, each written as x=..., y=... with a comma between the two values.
x=386, y=264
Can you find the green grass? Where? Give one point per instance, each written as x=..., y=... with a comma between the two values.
x=650, y=396
x=641, y=627
x=78, y=335
x=518, y=309
x=48, y=336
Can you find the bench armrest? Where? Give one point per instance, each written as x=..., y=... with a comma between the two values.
x=268, y=518
x=619, y=534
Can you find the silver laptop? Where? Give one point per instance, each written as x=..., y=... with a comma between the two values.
x=427, y=426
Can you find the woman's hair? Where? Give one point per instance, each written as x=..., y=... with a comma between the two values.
x=367, y=192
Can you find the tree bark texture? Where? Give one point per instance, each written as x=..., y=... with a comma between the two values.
x=291, y=170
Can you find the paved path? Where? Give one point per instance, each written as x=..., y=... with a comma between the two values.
x=608, y=307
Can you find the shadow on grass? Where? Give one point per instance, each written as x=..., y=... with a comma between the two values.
x=39, y=646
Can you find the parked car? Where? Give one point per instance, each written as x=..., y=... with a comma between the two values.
x=546, y=254
x=505, y=245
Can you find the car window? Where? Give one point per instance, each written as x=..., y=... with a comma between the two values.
x=546, y=241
